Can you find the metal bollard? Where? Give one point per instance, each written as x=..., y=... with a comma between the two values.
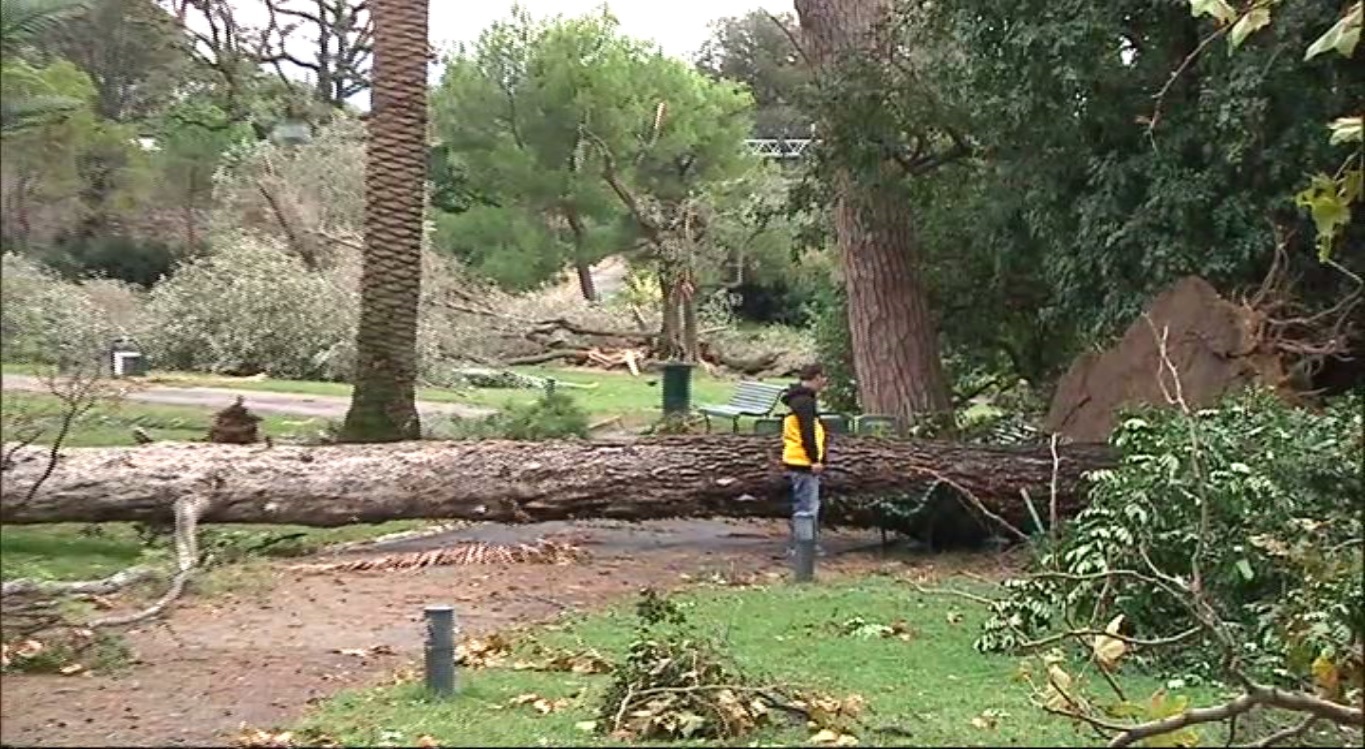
x=803, y=532
x=440, y=650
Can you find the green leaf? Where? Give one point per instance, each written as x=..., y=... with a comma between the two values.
x=1346, y=130
x=1342, y=37
x=1330, y=209
x=1251, y=21
x=1352, y=185
x=1244, y=567
x=1219, y=9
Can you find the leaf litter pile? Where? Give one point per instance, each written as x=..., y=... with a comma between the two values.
x=673, y=684
x=677, y=684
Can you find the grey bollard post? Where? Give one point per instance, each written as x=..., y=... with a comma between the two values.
x=803, y=530
x=440, y=650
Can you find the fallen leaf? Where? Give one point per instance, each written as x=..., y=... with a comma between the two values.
x=427, y=741
x=1326, y=677
x=1107, y=648
x=954, y=617
x=256, y=738
x=71, y=668
x=586, y=726
x=826, y=737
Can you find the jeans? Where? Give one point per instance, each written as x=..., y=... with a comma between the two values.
x=805, y=497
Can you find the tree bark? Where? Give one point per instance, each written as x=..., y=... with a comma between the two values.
x=894, y=338
x=515, y=482
x=670, y=342
x=582, y=265
x=383, y=406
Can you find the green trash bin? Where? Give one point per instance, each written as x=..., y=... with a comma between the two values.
x=877, y=425
x=677, y=390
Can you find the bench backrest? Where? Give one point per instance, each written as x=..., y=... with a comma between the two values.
x=759, y=397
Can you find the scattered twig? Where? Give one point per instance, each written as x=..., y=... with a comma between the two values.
x=188, y=510
x=78, y=396
x=1052, y=488
x=951, y=592
x=104, y=586
x=1148, y=642
x=1279, y=737
x=1257, y=695
x=980, y=507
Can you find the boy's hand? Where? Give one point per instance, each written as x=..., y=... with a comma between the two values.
x=817, y=468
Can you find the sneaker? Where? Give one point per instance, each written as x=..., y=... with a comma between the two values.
x=820, y=551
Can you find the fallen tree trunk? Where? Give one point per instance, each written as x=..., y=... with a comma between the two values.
x=517, y=482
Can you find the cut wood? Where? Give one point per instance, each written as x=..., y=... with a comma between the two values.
x=518, y=482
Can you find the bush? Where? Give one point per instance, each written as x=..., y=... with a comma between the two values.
x=1283, y=562
x=122, y=258
x=47, y=320
x=251, y=307
x=833, y=346
x=554, y=415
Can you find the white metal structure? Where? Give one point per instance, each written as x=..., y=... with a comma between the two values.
x=778, y=148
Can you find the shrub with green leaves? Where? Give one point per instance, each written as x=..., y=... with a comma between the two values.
x=834, y=347
x=48, y=320
x=1280, y=559
x=554, y=415
x=251, y=307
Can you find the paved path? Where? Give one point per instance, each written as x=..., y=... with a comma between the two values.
x=298, y=404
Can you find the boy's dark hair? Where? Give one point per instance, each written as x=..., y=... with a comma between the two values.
x=810, y=372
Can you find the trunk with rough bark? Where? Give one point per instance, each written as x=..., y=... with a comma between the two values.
x=582, y=265
x=383, y=407
x=516, y=482
x=670, y=345
x=894, y=336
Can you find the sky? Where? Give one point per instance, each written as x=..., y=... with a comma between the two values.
x=678, y=26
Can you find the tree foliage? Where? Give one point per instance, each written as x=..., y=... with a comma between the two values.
x=761, y=51
x=510, y=114
x=1255, y=500
x=1120, y=192
x=536, y=111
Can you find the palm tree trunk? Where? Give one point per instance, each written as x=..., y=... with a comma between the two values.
x=383, y=407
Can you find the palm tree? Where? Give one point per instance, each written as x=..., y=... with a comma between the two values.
x=21, y=22
x=383, y=406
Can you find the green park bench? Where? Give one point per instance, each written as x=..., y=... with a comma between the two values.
x=751, y=398
x=863, y=424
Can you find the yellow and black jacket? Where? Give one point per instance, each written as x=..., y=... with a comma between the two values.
x=803, y=436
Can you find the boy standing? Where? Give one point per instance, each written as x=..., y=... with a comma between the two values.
x=803, y=441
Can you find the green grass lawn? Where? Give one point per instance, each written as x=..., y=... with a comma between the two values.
x=74, y=551
x=636, y=400
x=111, y=422
x=933, y=686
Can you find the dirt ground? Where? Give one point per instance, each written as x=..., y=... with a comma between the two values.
x=260, y=657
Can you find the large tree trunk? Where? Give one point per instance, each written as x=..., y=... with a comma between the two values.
x=383, y=406
x=894, y=337
x=522, y=482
